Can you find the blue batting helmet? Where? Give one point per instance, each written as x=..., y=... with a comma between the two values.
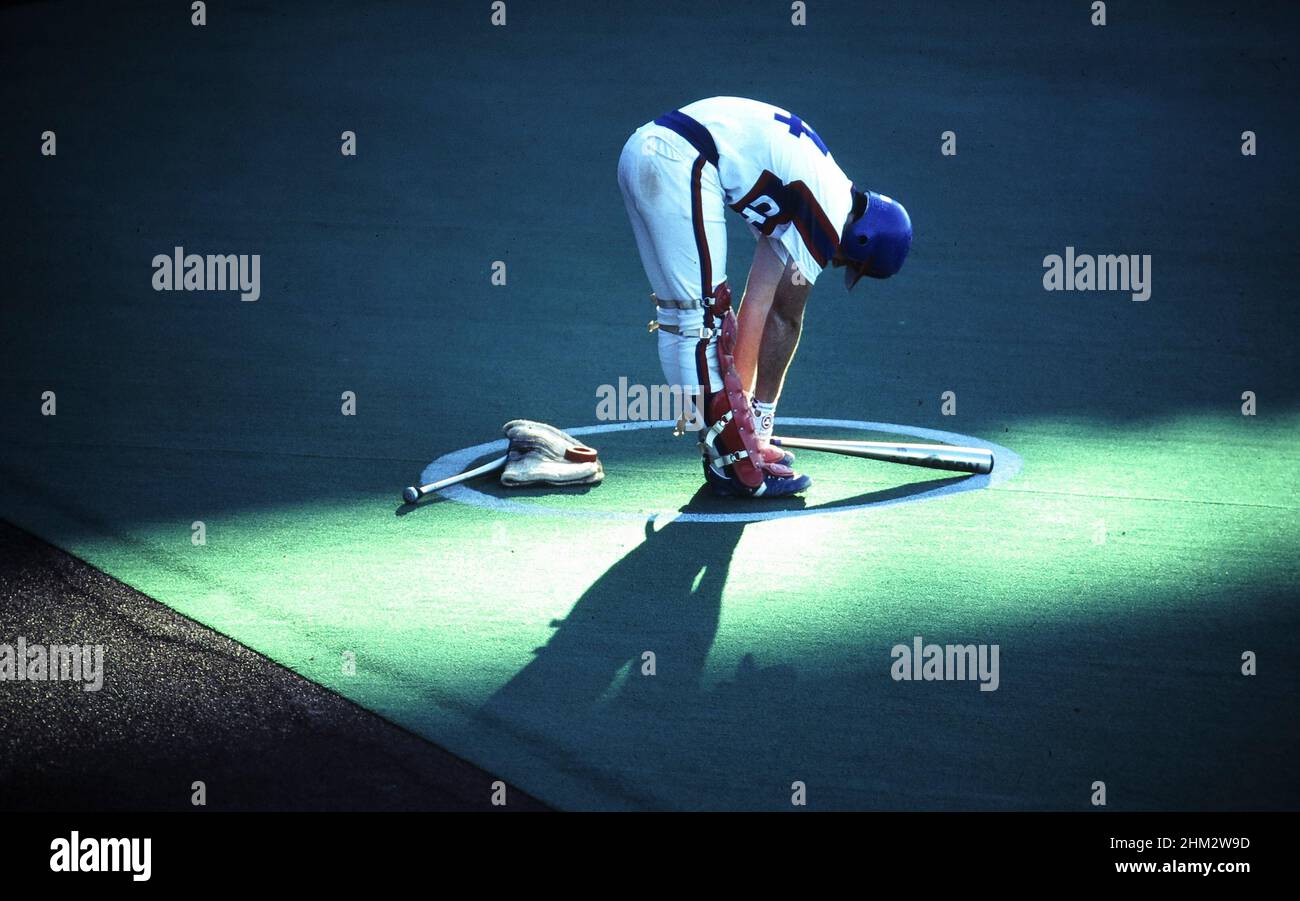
x=877, y=238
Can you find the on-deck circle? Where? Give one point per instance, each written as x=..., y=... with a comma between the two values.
x=1009, y=464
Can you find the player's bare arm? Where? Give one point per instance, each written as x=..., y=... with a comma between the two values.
x=767, y=272
x=781, y=331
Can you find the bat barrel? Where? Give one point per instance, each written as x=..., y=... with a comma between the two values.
x=974, y=460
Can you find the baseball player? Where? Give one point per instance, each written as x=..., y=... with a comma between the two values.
x=678, y=174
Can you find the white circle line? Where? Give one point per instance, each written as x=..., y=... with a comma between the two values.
x=1007, y=464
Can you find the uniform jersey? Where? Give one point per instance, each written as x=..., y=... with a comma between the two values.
x=777, y=173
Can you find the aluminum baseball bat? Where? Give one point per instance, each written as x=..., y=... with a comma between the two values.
x=932, y=456
x=415, y=492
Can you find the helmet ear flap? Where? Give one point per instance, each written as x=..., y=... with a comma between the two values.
x=851, y=276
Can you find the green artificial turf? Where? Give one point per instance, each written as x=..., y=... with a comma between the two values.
x=1120, y=604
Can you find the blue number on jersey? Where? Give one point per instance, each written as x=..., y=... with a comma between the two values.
x=771, y=203
x=798, y=127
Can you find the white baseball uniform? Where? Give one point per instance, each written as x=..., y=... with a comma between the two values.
x=679, y=172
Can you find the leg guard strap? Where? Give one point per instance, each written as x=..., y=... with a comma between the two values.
x=716, y=458
x=703, y=333
x=676, y=304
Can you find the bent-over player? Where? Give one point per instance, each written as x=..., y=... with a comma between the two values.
x=677, y=174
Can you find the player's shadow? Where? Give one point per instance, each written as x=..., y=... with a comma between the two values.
x=664, y=598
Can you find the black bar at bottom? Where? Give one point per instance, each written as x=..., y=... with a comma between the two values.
x=300, y=850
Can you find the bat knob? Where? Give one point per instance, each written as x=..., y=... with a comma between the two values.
x=411, y=495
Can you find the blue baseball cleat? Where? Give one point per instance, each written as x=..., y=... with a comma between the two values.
x=773, y=486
